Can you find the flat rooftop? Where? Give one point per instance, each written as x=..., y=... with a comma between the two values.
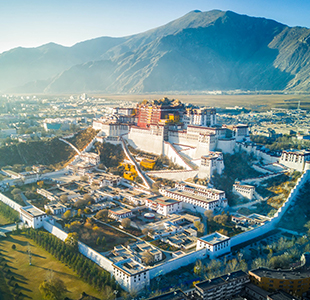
x=35, y=212
x=193, y=196
x=120, y=210
x=298, y=273
x=162, y=200
x=175, y=295
x=208, y=284
x=130, y=267
x=214, y=238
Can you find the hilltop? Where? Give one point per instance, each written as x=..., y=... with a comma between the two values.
x=214, y=50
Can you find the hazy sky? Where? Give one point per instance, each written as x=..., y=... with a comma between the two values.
x=30, y=23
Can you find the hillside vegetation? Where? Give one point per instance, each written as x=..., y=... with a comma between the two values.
x=82, y=138
x=50, y=152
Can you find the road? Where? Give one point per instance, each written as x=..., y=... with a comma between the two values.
x=7, y=228
x=116, y=228
x=234, y=208
x=25, y=199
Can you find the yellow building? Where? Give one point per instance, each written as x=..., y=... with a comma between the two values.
x=295, y=281
x=129, y=175
x=147, y=163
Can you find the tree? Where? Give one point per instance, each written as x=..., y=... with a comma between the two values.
x=53, y=289
x=63, y=199
x=199, y=226
x=126, y=222
x=84, y=178
x=199, y=268
x=13, y=246
x=307, y=225
x=72, y=240
x=16, y=191
x=88, y=198
x=102, y=214
x=221, y=219
x=209, y=214
x=67, y=214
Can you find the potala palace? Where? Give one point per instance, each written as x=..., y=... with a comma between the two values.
x=188, y=136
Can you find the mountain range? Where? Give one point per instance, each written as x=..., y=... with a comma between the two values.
x=201, y=51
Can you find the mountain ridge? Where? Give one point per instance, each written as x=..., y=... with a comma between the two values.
x=200, y=51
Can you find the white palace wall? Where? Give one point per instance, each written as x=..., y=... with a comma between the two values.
x=143, y=139
x=175, y=157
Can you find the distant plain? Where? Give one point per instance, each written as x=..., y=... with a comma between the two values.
x=255, y=102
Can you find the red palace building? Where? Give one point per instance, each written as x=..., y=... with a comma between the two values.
x=152, y=112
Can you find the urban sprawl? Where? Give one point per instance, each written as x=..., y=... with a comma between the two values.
x=168, y=201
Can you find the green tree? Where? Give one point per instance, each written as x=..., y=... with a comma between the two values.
x=63, y=198
x=72, y=240
x=67, y=214
x=126, y=222
x=199, y=226
x=53, y=289
x=102, y=214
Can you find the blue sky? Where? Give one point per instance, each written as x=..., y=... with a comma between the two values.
x=30, y=23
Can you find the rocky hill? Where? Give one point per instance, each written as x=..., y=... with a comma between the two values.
x=200, y=51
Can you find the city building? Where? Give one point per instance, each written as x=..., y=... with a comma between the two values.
x=102, y=179
x=199, y=116
x=244, y=190
x=294, y=281
x=32, y=216
x=163, y=205
x=89, y=157
x=210, y=164
x=223, y=287
x=55, y=208
x=295, y=159
x=201, y=190
x=153, y=112
x=175, y=295
x=119, y=213
x=216, y=244
x=195, y=201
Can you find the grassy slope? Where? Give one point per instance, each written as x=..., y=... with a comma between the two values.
x=30, y=277
x=4, y=220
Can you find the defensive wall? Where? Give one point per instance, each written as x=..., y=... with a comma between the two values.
x=254, y=233
x=175, y=156
x=10, y=202
x=254, y=149
x=174, y=174
x=177, y=262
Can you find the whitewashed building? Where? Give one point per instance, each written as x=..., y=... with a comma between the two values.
x=194, y=202
x=216, y=244
x=163, y=205
x=244, y=190
x=120, y=213
x=32, y=216
x=295, y=159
